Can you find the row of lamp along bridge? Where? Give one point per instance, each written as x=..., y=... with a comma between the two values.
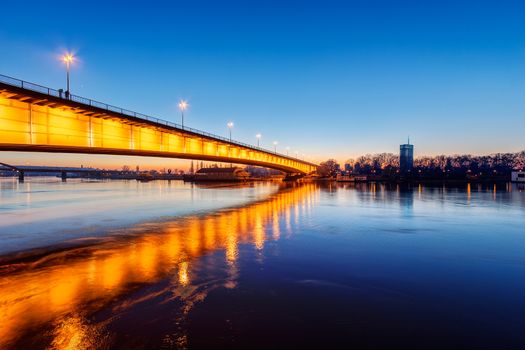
x=183, y=105
x=37, y=118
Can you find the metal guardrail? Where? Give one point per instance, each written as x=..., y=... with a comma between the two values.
x=89, y=102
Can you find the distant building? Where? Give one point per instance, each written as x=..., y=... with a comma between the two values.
x=221, y=174
x=518, y=176
x=406, y=157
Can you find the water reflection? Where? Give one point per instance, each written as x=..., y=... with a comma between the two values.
x=407, y=193
x=152, y=279
x=45, y=211
x=58, y=294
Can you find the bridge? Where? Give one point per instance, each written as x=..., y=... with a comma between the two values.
x=35, y=118
x=22, y=169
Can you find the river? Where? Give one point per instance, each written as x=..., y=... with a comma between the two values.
x=172, y=265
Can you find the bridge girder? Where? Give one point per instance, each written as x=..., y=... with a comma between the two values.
x=37, y=122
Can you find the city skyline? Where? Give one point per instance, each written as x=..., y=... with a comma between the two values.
x=358, y=82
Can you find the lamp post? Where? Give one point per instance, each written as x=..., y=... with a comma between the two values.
x=68, y=59
x=230, y=126
x=183, y=105
x=287, y=151
x=275, y=146
x=258, y=136
x=297, y=154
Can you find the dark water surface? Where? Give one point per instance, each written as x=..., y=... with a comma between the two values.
x=89, y=265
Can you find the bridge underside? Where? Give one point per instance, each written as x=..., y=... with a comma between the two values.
x=34, y=122
x=140, y=153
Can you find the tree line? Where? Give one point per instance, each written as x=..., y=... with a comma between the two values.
x=387, y=164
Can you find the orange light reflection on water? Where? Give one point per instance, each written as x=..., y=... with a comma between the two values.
x=55, y=290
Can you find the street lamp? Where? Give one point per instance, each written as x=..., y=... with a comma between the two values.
x=230, y=126
x=68, y=59
x=275, y=146
x=296, y=154
x=287, y=150
x=258, y=136
x=183, y=105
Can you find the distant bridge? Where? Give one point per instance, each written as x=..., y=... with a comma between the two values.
x=23, y=169
x=34, y=118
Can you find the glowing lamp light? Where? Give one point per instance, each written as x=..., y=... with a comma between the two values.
x=183, y=105
x=68, y=58
x=230, y=126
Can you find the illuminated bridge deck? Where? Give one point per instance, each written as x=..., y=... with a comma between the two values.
x=39, y=119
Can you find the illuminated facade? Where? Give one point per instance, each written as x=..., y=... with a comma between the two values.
x=31, y=120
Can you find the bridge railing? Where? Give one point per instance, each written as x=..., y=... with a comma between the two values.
x=89, y=102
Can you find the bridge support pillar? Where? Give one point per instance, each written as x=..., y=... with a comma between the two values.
x=64, y=176
x=20, y=176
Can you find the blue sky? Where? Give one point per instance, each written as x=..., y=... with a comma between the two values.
x=327, y=78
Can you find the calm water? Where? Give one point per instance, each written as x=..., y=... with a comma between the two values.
x=161, y=265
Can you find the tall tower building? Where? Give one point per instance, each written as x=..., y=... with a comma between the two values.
x=406, y=157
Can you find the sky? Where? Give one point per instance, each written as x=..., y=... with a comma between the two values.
x=330, y=79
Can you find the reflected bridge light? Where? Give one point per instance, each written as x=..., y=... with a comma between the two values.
x=184, y=278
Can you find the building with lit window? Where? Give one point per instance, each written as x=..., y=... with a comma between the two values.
x=518, y=176
x=406, y=157
x=221, y=174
